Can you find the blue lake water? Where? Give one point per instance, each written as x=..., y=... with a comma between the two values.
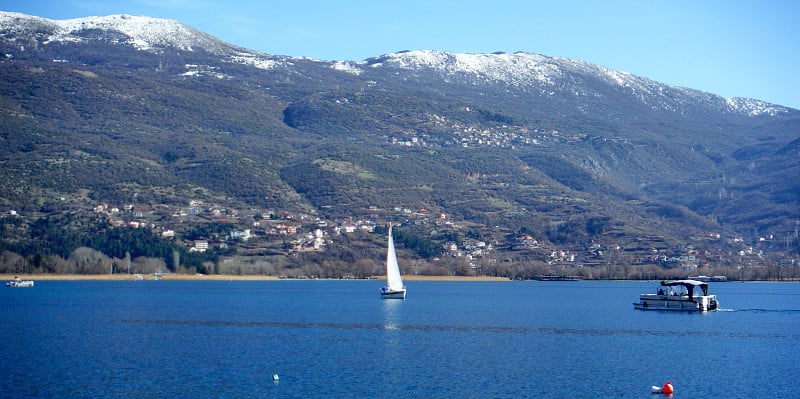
x=337, y=339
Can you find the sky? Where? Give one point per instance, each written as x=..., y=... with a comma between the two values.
x=732, y=48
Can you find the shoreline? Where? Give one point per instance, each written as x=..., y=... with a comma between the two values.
x=218, y=277
x=230, y=277
x=129, y=277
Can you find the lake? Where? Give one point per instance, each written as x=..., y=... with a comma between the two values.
x=338, y=339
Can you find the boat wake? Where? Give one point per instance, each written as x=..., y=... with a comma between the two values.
x=783, y=311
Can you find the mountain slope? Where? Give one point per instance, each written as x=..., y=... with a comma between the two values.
x=124, y=109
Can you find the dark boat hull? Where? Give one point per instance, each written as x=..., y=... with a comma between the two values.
x=393, y=294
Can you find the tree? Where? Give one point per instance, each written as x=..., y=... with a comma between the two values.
x=147, y=265
x=90, y=261
x=57, y=264
x=364, y=267
x=11, y=262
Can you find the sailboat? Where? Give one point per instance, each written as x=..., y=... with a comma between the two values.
x=394, y=288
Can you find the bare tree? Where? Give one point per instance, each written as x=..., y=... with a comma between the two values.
x=364, y=268
x=59, y=265
x=146, y=265
x=90, y=261
x=11, y=262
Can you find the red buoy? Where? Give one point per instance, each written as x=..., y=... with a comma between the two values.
x=667, y=388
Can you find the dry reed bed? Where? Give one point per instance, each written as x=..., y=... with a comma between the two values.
x=212, y=277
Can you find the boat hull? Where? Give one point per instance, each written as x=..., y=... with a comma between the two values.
x=20, y=284
x=393, y=294
x=679, y=303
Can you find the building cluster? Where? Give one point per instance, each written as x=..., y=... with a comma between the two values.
x=300, y=231
x=471, y=136
x=251, y=230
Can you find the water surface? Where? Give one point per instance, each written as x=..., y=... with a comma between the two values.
x=226, y=339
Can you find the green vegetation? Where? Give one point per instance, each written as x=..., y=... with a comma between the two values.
x=60, y=237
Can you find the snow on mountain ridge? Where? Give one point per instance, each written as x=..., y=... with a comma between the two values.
x=527, y=69
x=144, y=33
x=524, y=69
x=514, y=69
x=754, y=107
x=518, y=69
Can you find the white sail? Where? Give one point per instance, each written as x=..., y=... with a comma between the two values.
x=393, y=280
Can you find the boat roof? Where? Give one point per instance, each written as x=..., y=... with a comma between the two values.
x=671, y=283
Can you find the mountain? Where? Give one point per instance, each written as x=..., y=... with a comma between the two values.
x=136, y=110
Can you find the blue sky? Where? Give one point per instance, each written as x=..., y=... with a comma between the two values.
x=732, y=48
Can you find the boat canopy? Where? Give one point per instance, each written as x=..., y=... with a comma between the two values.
x=689, y=284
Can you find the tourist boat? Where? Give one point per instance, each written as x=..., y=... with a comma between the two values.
x=394, y=288
x=16, y=282
x=685, y=295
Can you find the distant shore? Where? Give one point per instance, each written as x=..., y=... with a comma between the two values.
x=123, y=277
x=213, y=277
x=226, y=277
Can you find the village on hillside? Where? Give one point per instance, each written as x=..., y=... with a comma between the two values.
x=253, y=233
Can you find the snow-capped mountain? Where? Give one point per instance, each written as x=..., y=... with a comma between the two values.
x=521, y=70
x=138, y=101
x=144, y=33
x=556, y=73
